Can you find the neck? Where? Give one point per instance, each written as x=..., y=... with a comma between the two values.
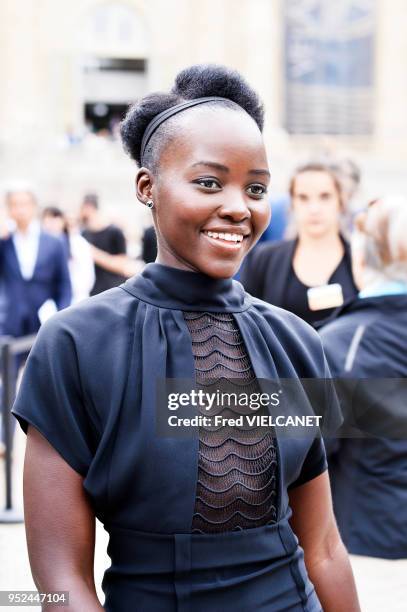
x=375, y=278
x=380, y=286
x=165, y=257
x=23, y=227
x=96, y=224
x=324, y=241
x=170, y=287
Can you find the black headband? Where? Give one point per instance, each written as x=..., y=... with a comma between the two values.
x=169, y=112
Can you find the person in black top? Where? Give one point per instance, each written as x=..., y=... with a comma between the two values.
x=311, y=274
x=107, y=238
x=149, y=245
x=365, y=342
x=208, y=521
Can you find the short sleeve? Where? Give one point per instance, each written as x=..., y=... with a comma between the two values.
x=314, y=465
x=50, y=396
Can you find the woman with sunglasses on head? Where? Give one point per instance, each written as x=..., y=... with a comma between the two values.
x=200, y=522
x=311, y=274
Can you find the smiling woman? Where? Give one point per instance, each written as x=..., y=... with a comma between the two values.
x=213, y=171
x=199, y=523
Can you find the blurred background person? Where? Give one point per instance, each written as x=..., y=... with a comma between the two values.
x=367, y=339
x=350, y=177
x=79, y=254
x=108, y=239
x=276, y=230
x=295, y=274
x=280, y=207
x=33, y=269
x=149, y=245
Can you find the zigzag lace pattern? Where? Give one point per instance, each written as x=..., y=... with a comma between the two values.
x=237, y=468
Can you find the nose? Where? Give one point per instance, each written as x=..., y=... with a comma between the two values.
x=235, y=207
x=314, y=207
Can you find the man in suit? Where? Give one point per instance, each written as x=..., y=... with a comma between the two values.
x=33, y=268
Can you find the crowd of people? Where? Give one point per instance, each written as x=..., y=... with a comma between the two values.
x=340, y=267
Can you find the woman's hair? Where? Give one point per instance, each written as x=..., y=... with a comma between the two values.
x=383, y=237
x=191, y=83
x=57, y=213
x=318, y=166
x=53, y=211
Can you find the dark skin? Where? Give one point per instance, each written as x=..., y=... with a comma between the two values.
x=216, y=180
x=226, y=194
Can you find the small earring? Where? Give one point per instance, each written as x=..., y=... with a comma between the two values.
x=150, y=204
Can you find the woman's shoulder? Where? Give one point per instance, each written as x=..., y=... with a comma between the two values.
x=267, y=249
x=262, y=261
x=92, y=316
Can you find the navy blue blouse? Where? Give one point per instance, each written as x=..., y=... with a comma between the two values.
x=89, y=387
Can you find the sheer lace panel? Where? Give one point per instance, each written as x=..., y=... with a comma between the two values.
x=237, y=468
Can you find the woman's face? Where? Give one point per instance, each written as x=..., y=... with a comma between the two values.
x=316, y=203
x=53, y=225
x=210, y=192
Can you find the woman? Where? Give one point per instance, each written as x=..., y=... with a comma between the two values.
x=366, y=343
x=199, y=522
x=80, y=261
x=294, y=274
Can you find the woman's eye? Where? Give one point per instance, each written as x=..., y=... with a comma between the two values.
x=208, y=183
x=257, y=190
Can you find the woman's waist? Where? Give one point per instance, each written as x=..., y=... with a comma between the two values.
x=136, y=551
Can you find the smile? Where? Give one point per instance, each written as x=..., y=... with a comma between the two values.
x=224, y=238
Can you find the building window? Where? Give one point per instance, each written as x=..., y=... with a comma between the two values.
x=117, y=27
x=114, y=64
x=329, y=66
x=114, y=24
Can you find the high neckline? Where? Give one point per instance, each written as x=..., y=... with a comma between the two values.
x=168, y=287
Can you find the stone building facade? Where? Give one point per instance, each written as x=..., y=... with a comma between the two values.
x=70, y=66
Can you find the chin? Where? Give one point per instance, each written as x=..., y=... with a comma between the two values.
x=317, y=230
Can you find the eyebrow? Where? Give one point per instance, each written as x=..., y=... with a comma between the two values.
x=260, y=171
x=223, y=168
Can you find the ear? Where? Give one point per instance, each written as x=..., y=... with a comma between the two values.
x=144, y=185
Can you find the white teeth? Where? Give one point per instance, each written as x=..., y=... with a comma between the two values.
x=226, y=236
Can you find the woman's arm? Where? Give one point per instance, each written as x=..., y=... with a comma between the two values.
x=60, y=526
x=119, y=264
x=325, y=555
